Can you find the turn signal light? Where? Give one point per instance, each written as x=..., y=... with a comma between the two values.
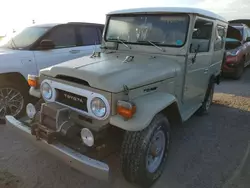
x=126, y=109
x=32, y=80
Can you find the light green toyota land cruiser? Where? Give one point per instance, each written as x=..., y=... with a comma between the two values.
x=156, y=68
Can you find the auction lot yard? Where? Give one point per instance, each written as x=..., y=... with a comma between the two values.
x=205, y=151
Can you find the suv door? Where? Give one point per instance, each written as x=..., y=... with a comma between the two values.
x=64, y=38
x=197, y=71
x=89, y=37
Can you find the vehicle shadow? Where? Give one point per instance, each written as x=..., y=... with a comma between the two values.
x=235, y=87
x=207, y=150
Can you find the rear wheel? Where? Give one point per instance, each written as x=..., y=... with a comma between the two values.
x=144, y=153
x=13, y=99
x=208, y=100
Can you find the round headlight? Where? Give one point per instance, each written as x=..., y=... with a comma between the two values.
x=46, y=91
x=98, y=107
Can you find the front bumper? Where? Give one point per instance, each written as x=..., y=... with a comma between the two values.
x=84, y=164
x=35, y=92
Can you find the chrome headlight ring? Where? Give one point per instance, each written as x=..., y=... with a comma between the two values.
x=48, y=92
x=98, y=106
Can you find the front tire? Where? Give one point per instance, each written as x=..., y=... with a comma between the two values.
x=144, y=153
x=13, y=100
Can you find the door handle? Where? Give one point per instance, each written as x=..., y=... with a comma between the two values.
x=74, y=51
x=205, y=71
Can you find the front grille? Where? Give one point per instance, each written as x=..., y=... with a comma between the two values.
x=72, y=100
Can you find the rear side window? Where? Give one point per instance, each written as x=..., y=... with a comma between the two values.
x=89, y=35
x=63, y=36
x=248, y=32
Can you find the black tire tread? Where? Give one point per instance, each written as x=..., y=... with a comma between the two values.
x=201, y=111
x=133, y=147
x=24, y=91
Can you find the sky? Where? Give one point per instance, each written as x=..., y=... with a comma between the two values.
x=16, y=14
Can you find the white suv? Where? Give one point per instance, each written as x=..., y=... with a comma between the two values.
x=35, y=48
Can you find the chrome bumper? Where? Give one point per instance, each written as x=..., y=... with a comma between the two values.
x=35, y=92
x=84, y=164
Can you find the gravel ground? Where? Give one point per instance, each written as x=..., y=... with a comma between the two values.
x=205, y=151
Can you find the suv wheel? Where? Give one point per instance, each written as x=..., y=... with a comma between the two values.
x=13, y=99
x=208, y=100
x=144, y=153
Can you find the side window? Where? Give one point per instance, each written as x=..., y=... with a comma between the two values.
x=63, y=36
x=220, y=35
x=89, y=35
x=248, y=32
x=245, y=34
x=202, y=34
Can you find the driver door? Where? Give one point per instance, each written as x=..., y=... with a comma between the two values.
x=198, y=62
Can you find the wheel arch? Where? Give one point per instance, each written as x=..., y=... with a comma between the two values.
x=172, y=113
x=148, y=107
x=12, y=77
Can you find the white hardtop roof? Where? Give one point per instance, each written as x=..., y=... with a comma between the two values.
x=170, y=10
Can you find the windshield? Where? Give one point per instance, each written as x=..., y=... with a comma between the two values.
x=24, y=38
x=167, y=30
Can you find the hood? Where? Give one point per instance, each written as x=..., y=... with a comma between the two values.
x=241, y=21
x=14, y=57
x=110, y=73
x=5, y=51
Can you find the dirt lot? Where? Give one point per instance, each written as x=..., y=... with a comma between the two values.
x=204, y=153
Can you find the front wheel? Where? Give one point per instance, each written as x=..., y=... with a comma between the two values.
x=144, y=153
x=13, y=99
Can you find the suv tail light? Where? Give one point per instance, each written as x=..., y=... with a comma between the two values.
x=231, y=59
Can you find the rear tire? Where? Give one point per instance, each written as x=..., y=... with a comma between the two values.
x=208, y=100
x=13, y=100
x=142, y=155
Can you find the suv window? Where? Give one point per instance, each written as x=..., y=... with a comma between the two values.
x=63, y=36
x=201, y=35
x=247, y=32
x=220, y=34
x=89, y=35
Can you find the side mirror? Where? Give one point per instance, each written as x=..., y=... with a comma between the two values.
x=47, y=44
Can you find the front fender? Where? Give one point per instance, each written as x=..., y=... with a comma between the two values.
x=147, y=107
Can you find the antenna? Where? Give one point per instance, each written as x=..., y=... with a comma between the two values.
x=95, y=48
x=95, y=53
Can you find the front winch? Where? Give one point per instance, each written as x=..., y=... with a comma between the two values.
x=53, y=122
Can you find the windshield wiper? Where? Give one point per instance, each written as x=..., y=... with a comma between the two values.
x=121, y=41
x=148, y=41
x=13, y=44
